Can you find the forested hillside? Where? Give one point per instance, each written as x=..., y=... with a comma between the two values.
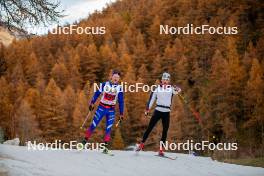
x=46, y=81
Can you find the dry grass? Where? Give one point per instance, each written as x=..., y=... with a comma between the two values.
x=257, y=162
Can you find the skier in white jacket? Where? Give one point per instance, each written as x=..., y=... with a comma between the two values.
x=163, y=96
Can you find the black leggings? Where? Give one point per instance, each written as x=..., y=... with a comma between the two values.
x=165, y=117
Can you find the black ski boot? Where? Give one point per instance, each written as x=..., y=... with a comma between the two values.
x=106, y=150
x=84, y=141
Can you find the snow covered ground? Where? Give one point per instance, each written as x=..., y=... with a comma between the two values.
x=18, y=161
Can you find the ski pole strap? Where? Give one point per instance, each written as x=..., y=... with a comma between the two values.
x=168, y=107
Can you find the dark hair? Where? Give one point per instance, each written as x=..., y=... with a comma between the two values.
x=116, y=72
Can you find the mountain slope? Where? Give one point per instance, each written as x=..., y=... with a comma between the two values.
x=19, y=161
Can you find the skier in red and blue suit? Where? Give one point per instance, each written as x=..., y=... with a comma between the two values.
x=111, y=94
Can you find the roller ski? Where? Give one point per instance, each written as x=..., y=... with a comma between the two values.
x=107, y=151
x=162, y=155
x=139, y=147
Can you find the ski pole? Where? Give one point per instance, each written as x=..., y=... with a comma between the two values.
x=86, y=118
x=118, y=122
x=121, y=118
x=195, y=113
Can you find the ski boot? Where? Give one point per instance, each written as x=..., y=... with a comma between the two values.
x=81, y=144
x=84, y=141
x=106, y=150
x=140, y=147
x=161, y=153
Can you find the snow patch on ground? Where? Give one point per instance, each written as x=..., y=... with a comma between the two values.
x=12, y=141
x=19, y=161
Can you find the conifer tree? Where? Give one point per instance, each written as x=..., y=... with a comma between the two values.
x=80, y=112
x=215, y=94
x=52, y=114
x=27, y=127
x=139, y=51
x=6, y=107
x=40, y=83
x=108, y=61
x=31, y=69
x=33, y=98
x=235, y=84
x=253, y=102
x=88, y=62
x=75, y=79
x=69, y=99
x=60, y=74
x=122, y=48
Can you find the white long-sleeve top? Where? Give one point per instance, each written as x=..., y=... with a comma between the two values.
x=163, y=95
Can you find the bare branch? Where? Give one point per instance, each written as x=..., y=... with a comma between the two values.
x=16, y=14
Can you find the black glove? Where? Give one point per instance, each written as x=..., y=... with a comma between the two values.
x=91, y=107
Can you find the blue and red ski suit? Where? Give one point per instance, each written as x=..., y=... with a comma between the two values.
x=111, y=94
